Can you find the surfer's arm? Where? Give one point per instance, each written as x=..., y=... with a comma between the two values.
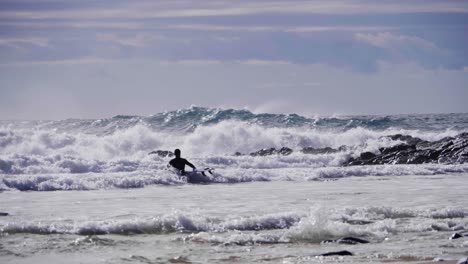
x=189, y=164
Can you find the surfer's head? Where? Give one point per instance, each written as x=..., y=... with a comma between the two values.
x=177, y=153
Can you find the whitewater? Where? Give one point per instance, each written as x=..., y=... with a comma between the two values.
x=100, y=191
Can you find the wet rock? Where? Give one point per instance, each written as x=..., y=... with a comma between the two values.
x=316, y=151
x=238, y=154
x=264, y=152
x=409, y=140
x=449, y=150
x=463, y=261
x=357, y=222
x=180, y=259
x=455, y=236
x=367, y=156
x=3, y=214
x=459, y=235
x=162, y=153
x=285, y=151
x=347, y=241
x=343, y=148
x=401, y=147
x=271, y=151
x=337, y=253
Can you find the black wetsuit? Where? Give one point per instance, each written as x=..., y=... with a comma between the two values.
x=179, y=163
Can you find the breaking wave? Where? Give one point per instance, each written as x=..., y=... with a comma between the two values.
x=79, y=154
x=315, y=226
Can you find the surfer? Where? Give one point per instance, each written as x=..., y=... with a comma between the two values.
x=179, y=163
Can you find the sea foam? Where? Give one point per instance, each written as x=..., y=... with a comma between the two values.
x=76, y=154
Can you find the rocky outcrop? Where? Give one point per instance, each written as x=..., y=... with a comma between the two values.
x=286, y=151
x=449, y=150
x=272, y=151
x=162, y=153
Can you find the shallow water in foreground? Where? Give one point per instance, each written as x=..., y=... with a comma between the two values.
x=405, y=218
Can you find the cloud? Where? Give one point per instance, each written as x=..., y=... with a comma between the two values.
x=139, y=40
x=173, y=9
x=348, y=34
x=74, y=24
x=192, y=27
x=264, y=62
x=78, y=61
x=399, y=48
x=387, y=40
x=20, y=42
x=297, y=29
x=191, y=62
x=290, y=85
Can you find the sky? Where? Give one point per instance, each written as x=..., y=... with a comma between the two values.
x=94, y=59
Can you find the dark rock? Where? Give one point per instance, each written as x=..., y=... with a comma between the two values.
x=449, y=150
x=407, y=138
x=432, y=154
x=327, y=150
x=357, y=222
x=355, y=162
x=455, y=236
x=271, y=151
x=353, y=240
x=347, y=241
x=401, y=147
x=264, y=152
x=285, y=151
x=162, y=153
x=463, y=260
x=3, y=214
x=367, y=156
x=337, y=253
x=343, y=148
x=237, y=154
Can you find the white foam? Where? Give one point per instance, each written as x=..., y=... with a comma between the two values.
x=133, y=174
x=317, y=225
x=387, y=170
x=49, y=159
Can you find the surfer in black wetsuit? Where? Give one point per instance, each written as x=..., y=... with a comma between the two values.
x=179, y=163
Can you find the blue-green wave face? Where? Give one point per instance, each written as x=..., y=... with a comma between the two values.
x=187, y=120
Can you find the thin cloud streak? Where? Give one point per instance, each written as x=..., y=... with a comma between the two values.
x=301, y=29
x=196, y=27
x=79, y=61
x=80, y=24
x=388, y=40
x=194, y=62
x=141, y=40
x=17, y=42
x=209, y=8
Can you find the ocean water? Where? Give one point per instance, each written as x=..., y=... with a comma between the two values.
x=87, y=191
